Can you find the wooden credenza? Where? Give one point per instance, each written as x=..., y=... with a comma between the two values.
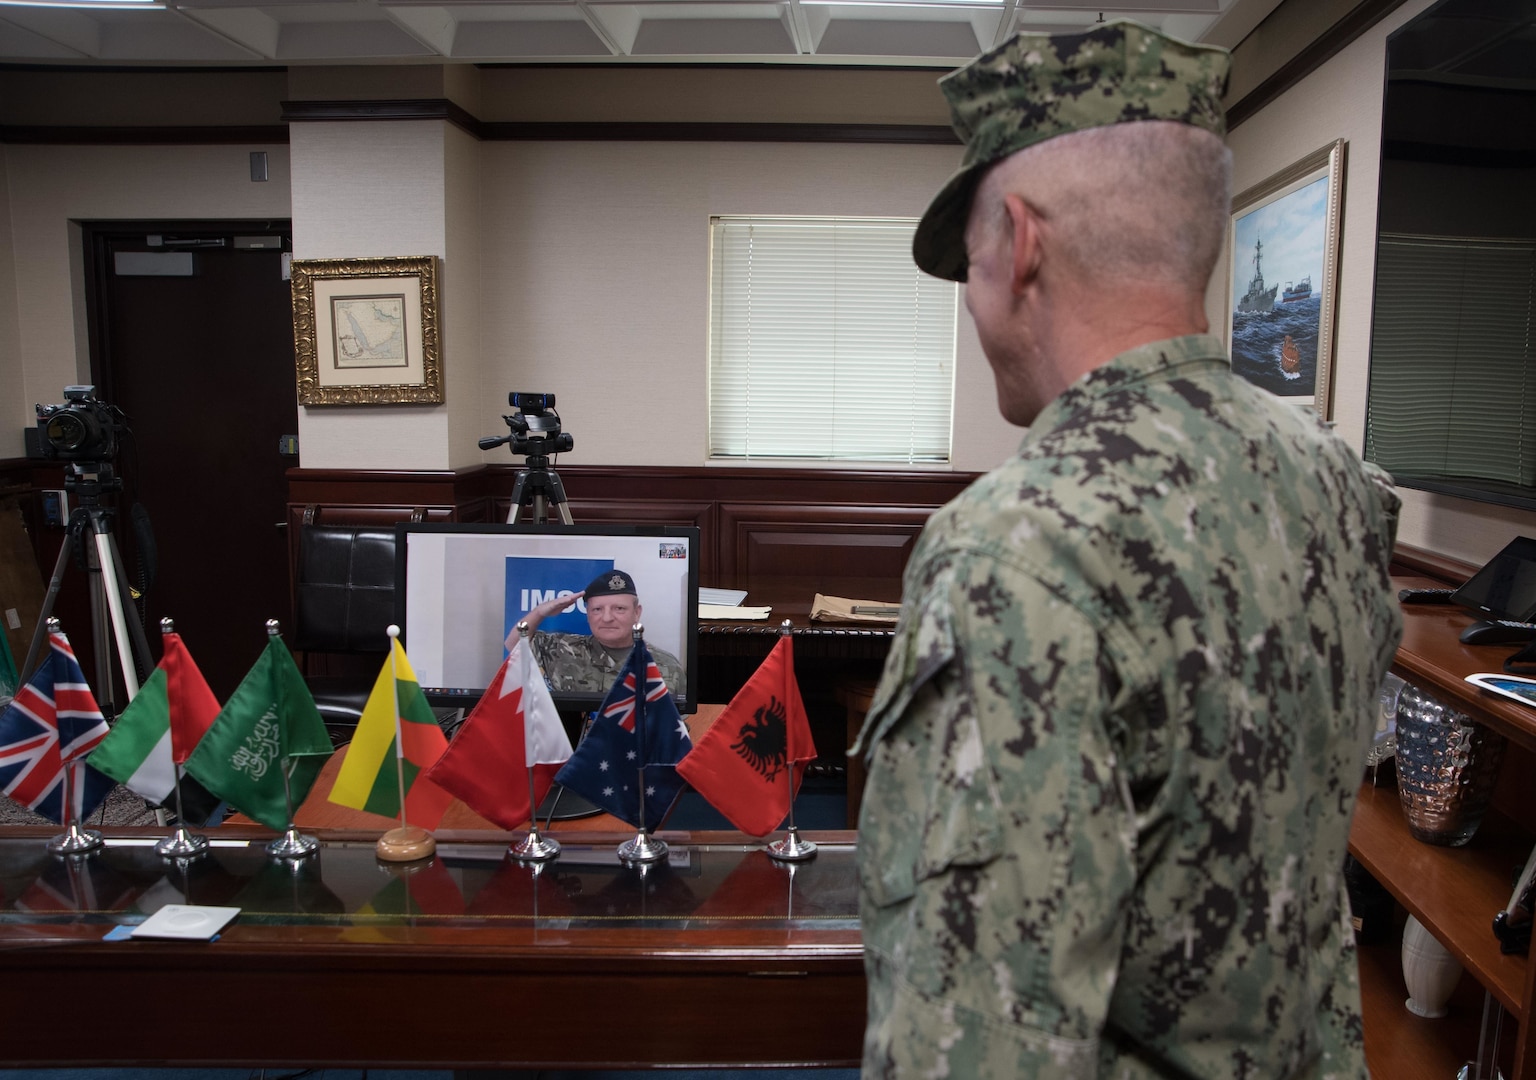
x=1454, y=892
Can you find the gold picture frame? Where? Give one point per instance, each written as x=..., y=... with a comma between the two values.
x=1281, y=321
x=365, y=331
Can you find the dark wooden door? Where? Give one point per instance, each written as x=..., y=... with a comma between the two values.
x=203, y=368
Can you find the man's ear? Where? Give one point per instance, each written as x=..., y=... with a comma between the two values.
x=1024, y=225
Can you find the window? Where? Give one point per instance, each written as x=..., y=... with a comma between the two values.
x=826, y=342
x=1453, y=393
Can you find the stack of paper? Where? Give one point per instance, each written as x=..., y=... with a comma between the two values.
x=721, y=597
x=843, y=609
x=730, y=611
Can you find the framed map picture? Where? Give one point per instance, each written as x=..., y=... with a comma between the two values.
x=365, y=331
x=1284, y=257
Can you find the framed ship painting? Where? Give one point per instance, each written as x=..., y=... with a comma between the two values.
x=1284, y=257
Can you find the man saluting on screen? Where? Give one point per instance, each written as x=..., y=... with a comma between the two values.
x=590, y=662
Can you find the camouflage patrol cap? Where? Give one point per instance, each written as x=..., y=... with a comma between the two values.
x=611, y=583
x=1036, y=86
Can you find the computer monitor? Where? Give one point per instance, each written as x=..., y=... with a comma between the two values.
x=459, y=589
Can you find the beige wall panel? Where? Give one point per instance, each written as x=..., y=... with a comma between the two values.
x=370, y=190
x=53, y=186
x=595, y=283
x=16, y=409
x=464, y=362
x=1343, y=99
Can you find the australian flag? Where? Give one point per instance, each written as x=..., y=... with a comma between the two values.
x=53, y=721
x=637, y=724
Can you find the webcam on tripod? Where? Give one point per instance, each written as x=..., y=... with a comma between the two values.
x=535, y=427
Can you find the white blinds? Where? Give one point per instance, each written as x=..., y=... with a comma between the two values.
x=827, y=342
x=1452, y=391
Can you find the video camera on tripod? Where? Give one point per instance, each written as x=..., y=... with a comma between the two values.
x=535, y=435
x=82, y=429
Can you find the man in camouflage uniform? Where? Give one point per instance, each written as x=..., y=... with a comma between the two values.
x=1114, y=754
x=590, y=662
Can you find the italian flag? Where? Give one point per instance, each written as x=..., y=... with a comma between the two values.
x=368, y=778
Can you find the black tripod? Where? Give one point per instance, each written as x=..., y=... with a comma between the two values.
x=113, y=616
x=539, y=486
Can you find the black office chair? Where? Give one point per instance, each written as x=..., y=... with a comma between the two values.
x=344, y=599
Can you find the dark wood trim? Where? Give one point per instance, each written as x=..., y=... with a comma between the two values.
x=503, y=131
x=402, y=109
x=906, y=134
x=1364, y=15
x=1451, y=571
x=159, y=135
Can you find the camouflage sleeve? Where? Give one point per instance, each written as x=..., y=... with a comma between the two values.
x=996, y=841
x=671, y=669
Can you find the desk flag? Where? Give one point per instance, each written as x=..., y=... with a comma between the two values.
x=628, y=731
x=370, y=778
x=512, y=727
x=742, y=766
x=270, y=722
x=52, y=721
x=159, y=730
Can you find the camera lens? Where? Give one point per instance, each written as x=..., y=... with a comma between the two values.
x=67, y=431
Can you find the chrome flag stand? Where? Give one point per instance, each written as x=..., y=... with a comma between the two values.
x=791, y=849
x=74, y=840
x=533, y=848
x=644, y=848
x=292, y=844
x=181, y=844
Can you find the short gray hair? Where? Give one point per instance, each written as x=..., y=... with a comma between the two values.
x=1145, y=201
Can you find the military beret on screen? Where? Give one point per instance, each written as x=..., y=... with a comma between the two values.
x=1036, y=86
x=611, y=583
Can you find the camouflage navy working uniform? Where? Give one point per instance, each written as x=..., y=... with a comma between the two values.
x=579, y=662
x=1114, y=753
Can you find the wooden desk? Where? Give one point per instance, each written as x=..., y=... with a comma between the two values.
x=1454, y=892
x=717, y=957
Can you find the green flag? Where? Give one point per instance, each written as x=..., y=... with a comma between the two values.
x=269, y=720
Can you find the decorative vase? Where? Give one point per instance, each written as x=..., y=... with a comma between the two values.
x=1446, y=768
x=1429, y=971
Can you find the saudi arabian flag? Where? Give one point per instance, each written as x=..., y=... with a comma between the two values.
x=269, y=722
x=370, y=778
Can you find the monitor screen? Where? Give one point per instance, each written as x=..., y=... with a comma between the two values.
x=1506, y=587
x=459, y=590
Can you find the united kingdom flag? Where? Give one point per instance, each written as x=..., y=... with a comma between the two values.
x=52, y=721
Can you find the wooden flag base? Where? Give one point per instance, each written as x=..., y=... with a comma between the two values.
x=405, y=844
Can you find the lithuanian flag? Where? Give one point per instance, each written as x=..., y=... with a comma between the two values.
x=368, y=778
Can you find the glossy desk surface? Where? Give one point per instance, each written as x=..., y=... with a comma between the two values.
x=341, y=959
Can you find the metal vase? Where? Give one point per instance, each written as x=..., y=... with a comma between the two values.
x=1446, y=768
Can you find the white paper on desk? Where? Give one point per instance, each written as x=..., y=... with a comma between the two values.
x=743, y=614
x=191, y=921
x=721, y=597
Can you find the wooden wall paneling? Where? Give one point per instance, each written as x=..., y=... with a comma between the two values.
x=817, y=542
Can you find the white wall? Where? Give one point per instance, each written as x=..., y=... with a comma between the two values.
x=51, y=188
x=10, y=340
x=596, y=280
x=1343, y=99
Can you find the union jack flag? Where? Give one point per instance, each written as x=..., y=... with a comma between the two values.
x=53, y=721
x=620, y=703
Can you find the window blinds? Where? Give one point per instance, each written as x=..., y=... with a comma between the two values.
x=827, y=342
x=1452, y=391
